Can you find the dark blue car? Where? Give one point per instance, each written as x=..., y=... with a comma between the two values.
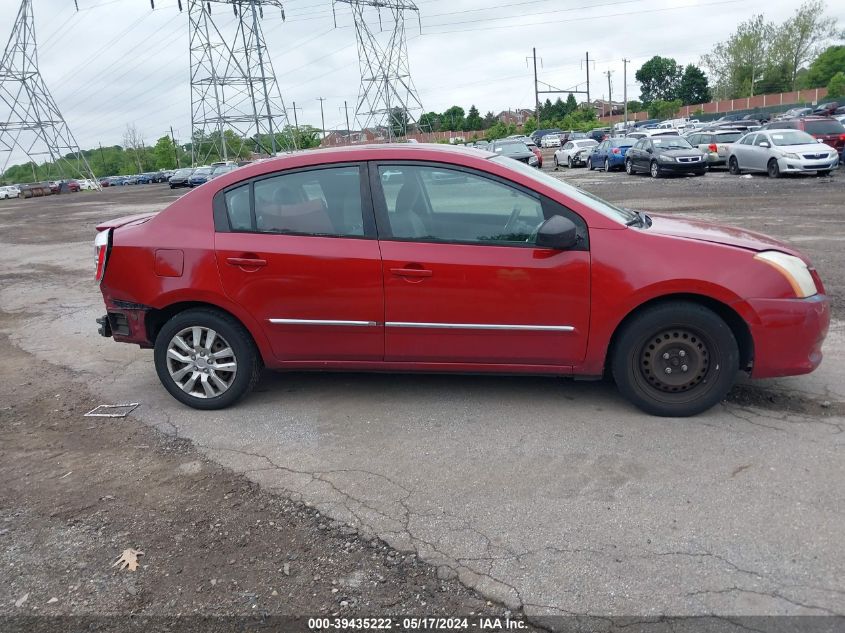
x=200, y=176
x=610, y=154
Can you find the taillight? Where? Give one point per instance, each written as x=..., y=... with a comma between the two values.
x=616, y=150
x=712, y=147
x=101, y=253
x=842, y=137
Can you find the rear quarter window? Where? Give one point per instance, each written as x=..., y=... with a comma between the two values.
x=824, y=127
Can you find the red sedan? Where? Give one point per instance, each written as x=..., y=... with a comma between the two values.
x=433, y=258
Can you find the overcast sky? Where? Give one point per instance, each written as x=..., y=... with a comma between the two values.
x=117, y=62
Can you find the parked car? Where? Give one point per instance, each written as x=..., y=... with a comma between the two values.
x=72, y=185
x=118, y=181
x=662, y=155
x=200, y=176
x=105, y=181
x=144, y=179
x=781, y=151
x=222, y=169
x=9, y=191
x=574, y=153
x=794, y=113
x=518, y=151
x=55, y=186
x=86, y=184
x=550, y=140
x=537, y=135
x=714, y=144
x=180, y=178
x=824, y=129
x=826, y=109
x=501, y=268
x=760, y=117
x=610, y=154
x=645, y=123
x=599, y=134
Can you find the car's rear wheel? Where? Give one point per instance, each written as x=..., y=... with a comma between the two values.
x=773, y=169
x=206, y=359
x=654, y=169
x=590, y=163
x=733, y=166
x=606, y=165
x=675, y=359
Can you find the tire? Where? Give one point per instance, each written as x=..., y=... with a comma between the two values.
x=606, y=166
x=654, y=169
x=733, y=166
x=773, y=169
x=556, y=163
x=229, y=335
x=700, y=173
x=629, y=168
x=675, y=335
x=569, y=162
x=590, y=164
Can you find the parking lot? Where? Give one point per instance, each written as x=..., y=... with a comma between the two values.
x=551, y=495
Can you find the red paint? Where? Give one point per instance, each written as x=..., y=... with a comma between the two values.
x=257, y=277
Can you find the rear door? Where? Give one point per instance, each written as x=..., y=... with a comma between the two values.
x=463, y=281
x=298, y=250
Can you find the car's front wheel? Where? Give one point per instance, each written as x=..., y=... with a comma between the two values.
x=629, y=167
x=590, y=163
x=654, y=169
x=675, y=359
x=556, y=163
x=569, y=162
x=206, y=359
x=773, y=169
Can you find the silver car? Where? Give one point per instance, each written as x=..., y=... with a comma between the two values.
x=714, y=144
x=779, y=152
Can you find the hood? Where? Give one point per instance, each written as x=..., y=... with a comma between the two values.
x=718, y=234
x=807, y=148
x=686, y=151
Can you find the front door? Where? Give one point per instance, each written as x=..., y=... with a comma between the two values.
x=298, y=250
x=463, y=282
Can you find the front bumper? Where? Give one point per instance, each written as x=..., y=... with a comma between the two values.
x=682, y=168
x=788, y=335
x=790, y=165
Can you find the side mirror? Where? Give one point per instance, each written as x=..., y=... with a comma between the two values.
x=764, y=144
x=558, y=233
x=649, y=150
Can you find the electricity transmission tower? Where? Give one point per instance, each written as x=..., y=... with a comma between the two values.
x=387, y=97
x=34, y=126
x=236, y=103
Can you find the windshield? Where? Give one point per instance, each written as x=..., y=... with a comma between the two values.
x=202, y=171
x=791, y=137
x=222, y=169
x=184, y=172
x=671, y=142
x=605, y=208
x=586, y=143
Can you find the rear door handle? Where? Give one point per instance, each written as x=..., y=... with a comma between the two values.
x=411, y=272
x=246, y=262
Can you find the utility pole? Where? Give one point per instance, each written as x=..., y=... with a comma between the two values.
x=295, y=121
x=348, y=130
x=625, y=88
x=322, y=117
x=102, y=156
x=175, y=150
x=588, y=78
x=610, y=100
x=536, y=89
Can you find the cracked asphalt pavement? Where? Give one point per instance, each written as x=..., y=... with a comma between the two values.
x=546, y=494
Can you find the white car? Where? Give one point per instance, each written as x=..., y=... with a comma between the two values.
x=574, y=153
x=86, y=184
x=10, y=191
x=778, y=152
x=550, y=140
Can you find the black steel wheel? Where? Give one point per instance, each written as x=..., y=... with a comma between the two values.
x=675, y=359
x=733, y=166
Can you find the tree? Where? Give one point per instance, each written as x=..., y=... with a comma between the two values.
x=430, y=122
x=529, y=126
x=571, y=104
x=659, y=79
x=825, y=66
x=452, y=119
x=473, y=121
x=693, y=87
x=164, y=153
x=663, y=109
x=398, y=121
x=739, y=62
x=836, y=85
x=800, y=38
x=635, y=106
x=133, y=140
x=489, y=121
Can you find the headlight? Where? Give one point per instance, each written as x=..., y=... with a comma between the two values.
x=795, y=271
x=665, y=159
x=532, y=160
x=792, y=156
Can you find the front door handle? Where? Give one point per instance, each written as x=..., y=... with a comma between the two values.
x=411, y=272
x=246, y=262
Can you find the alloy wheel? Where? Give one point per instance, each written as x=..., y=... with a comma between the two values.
x=606, y=165
x=201, y=362
x=655, y=170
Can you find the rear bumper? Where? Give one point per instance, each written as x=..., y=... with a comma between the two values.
x=789, y=334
